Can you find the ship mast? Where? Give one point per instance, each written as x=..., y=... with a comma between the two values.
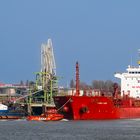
x=139, y=57
x=77, y=79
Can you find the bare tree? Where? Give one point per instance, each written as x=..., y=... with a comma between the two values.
x=103, y=85
x=72, y=84
x=83, y=85
x=109, y=85
x=95, y=84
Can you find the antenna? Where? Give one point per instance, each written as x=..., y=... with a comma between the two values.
x=131, y=61
x=139, y=57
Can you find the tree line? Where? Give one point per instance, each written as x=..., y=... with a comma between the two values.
x=107, y=85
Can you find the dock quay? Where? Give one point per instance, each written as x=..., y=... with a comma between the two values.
x=37, y=109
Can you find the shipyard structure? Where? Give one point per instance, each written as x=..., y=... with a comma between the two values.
x=41, y=95
x=36, y=97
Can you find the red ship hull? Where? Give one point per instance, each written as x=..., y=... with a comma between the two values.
x=86, y=107
x=97, y=107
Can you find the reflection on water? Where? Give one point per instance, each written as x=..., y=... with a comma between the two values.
x=70, y=130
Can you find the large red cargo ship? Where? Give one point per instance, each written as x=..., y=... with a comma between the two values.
x=118, y=106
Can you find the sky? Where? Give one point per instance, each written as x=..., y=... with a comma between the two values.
x=102, y=35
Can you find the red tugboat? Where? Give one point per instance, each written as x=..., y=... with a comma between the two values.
x=85, y=107
x=50, y=115
x=46, y=117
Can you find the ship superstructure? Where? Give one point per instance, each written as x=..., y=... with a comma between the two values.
x=130, y=81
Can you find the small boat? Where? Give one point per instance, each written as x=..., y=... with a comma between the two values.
x=50, y=115
x=3, y=108
x=43, y=117
x=7, y=113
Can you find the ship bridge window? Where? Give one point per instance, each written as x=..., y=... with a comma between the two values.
x=137, y=72
x=134, y=72
x=131, y=72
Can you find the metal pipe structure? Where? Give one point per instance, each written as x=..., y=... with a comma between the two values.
x=47, y=58
x=48, y=69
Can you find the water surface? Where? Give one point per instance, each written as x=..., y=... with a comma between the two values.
x=70, y=130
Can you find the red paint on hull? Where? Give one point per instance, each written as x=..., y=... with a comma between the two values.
x=97, y=107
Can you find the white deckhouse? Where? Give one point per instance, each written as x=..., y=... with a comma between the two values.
x=130, y=81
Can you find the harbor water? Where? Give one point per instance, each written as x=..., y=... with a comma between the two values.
x=70, y=130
